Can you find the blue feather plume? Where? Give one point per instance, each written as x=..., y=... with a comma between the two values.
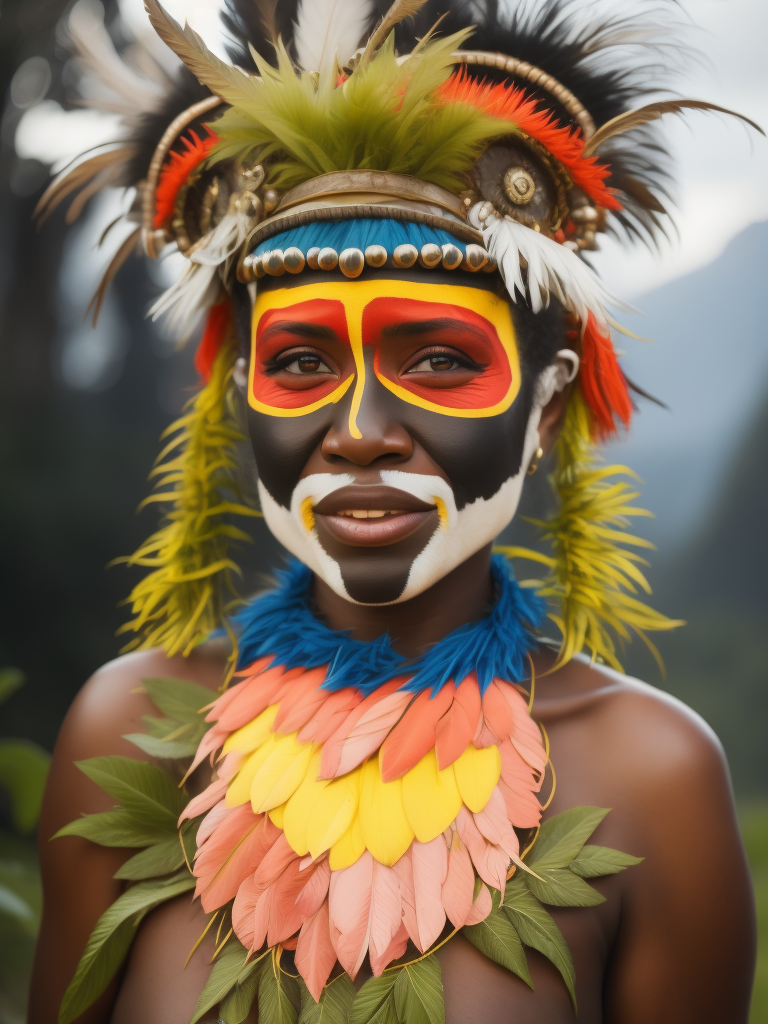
x=358, y=234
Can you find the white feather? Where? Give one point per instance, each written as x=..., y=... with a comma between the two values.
x=552, y=269
x=325, y=29
x=194, y=291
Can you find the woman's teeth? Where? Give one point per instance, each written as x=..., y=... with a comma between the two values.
x=369, y=513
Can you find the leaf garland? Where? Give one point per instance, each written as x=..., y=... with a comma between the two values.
x=179, y=734
x=335, y=1002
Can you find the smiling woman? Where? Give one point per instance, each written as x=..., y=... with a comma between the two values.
x=355, y=771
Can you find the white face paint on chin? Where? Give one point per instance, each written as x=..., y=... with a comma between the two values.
x=460, y=533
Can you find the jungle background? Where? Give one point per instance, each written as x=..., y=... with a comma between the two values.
x=81, y=411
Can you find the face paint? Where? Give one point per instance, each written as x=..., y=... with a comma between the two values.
x=411, y=401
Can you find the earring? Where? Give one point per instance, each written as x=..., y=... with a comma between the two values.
x=535, y=461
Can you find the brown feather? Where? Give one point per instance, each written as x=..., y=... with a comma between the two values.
x=399, y=11
x=640, y=192
x=266, y=10
x=67, y=182
x=122, y=254
x=652, y=112
x=220, y=77
x=428, y=35
x=104, y=179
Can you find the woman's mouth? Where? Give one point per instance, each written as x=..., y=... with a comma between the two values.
x=372, y=515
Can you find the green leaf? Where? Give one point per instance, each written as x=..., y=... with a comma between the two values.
x=160, y=859
x=334, y=1006
x=23, y=771
x=537, y=930
x=228, y=968
x=156, y=747
x=237, y=1005
x=142, y=788
x=12, y=905
x=279, y=998
x=111, y=938
x=562, y=837
x=11, y=679
x=595, y=861
x=374, y=1003
x=561, y=888
x=180, y=699
x=419, y=992
x=112, y=828
x=497, y=939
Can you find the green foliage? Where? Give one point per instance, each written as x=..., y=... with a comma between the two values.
x=279, y=995
x=497, y=938
x=23, y=766
x=419, y=992
x=230, y=973
x=754, y=826
x=177, y=735
x=562, y=836
x=596, y=861
x=537, y=930
x=335, y=1002
x=111, y=939
x=375, y=1002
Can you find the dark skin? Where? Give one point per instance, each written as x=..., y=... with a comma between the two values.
x=672, y=944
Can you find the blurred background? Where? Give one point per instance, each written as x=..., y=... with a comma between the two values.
x=81, y=411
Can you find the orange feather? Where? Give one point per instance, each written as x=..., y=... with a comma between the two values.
x=414, y=735
x=394, y=951
x=334, y=745
x=300, y=700
x=602, y=382
x=231, y=854
x=178, y=167
x=371, y=729
x=481, y=908
x=329, y=716
x=315, y=955
x=455, y=729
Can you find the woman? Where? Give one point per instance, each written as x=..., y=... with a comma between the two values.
x=387, y=247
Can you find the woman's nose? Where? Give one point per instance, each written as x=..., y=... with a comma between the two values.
x=369, y=432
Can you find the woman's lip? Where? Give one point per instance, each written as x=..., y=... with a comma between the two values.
x=370, y=497
x=374, y=532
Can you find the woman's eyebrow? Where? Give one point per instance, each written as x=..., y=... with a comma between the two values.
x=300, y=328
x=411, y=327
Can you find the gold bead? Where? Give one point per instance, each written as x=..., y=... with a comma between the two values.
x=258, y=266
x=430, y=255
x=351, y=262
x=519, y=186
x=312, y=255
x=293, y=259
x=327, y=259
x=452, y=256
x=405, y=256
x=270, y=200
x=376, y=255
x=245, y=272
x=490, y=266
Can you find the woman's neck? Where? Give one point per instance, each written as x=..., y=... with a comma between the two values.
x=460, y=597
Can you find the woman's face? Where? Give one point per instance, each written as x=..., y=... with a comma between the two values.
x=390, y=422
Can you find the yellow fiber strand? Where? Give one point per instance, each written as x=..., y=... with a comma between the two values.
x=202, y=936
x=184, y=599
x=593, y=577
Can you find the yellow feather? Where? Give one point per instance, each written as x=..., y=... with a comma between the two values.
x=477, y=772
x=386, y=830
x=349, y=848
x=336, y=806
x=239, y=791
x=253, y=735
x=300, y=805
x=431, y=798
x=280, y=774
x=277, y=815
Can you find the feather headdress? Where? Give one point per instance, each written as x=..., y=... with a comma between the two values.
x=514, y=149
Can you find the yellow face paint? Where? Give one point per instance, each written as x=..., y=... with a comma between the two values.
x=396, y=318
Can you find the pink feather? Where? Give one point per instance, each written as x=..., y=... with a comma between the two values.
x=256, y=696
x=334, y=745
x=494, y=825
x=225, y=699
x=330, y=715
x=315, y=888
x=414, y=735
x=300, y=700
x=386, y=909
x=349, y=900
x=231, y=854
x=204, y=801
x=481, y=908
x=211, y=822
x=285, y=917
x=430, y=867
x=210, y=743
x=371, y=730
x=394, y=951
x=315, y=955
x=244, y=911
x=404, y=871
x=525, y=734
x=496, y=711
x=459, y=884
x=455, y=730
x=275, y=861
x=490, y=862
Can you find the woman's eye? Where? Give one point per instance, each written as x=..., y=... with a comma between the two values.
x=306, y=364
x=436, y=363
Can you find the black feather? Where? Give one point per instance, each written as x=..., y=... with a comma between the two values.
x=245, y=24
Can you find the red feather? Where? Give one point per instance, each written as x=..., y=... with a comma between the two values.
x=414, y=735
x=603, y=384
x=217, y=328
x=178, y=167
x=511, y=104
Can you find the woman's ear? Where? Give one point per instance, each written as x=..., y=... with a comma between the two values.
x=552, y=390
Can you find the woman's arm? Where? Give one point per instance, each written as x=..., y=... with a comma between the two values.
x=686, y=945
x=77, y=875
